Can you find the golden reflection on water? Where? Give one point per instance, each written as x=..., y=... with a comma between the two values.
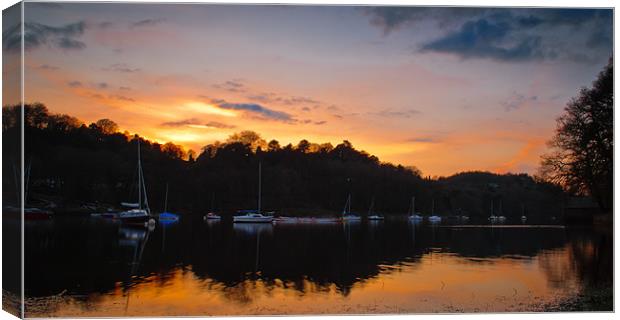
x=438, y=282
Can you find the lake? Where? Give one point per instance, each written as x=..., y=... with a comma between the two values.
x=78, y=267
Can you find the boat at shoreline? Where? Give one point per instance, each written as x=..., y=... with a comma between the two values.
x=167, y=217
x=346, y=212
x=139, y=213
x=374, y=216
x=254, y=216
x=413, y=217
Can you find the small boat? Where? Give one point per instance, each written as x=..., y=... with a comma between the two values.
x=167, y=217
x=254, y=216
x=139, y=212
x=287, y=220
x=37, y=214
x=371, y=216
x=412, y=215
x=523, y=216
x=346, y=212
x=464, y=218
x=212, y=216
x=501, y=219
x=433, y=218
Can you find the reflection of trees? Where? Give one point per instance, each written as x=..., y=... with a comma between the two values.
x=587, y=259
x=87, y=258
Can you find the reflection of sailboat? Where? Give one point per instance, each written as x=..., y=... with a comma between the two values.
x=139, y=212
x=255, y=216
x=433, y=218
x=135, y=238
x=167, y=217
x=413, y=217
x=371, y=214
x=346, y=212
x=253, y=228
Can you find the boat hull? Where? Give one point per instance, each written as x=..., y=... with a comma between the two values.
x=253, y=219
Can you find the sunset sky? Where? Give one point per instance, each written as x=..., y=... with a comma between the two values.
x=444, y=89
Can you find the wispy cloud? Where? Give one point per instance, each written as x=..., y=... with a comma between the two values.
x=407, y=113
x=47, y=67
x=147, y=22
x=194, y=122
x=231, y=85
x=255, y=109
x=516, y=101
x=37, y=35
x=74, y=84
x=121, y=67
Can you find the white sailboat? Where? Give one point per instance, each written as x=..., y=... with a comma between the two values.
x=371, y=215
x=412, y=215
x=523, y=216
x=139, y=212
x=493, y=218
x=433, y=218
x=501, y=217
x=255, y=216
x=346, y=212
x=212, y=215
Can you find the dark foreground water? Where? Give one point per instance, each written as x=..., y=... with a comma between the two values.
x=92, y=267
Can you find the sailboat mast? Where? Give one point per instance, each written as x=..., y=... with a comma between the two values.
x=433, y=208
x=139, y=177
x=259, y=184
x=166, y=199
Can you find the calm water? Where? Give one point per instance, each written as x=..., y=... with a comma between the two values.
x=91, y=267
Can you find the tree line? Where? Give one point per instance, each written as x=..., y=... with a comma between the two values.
x=71, y=164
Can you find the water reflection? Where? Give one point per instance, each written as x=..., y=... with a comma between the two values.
x=266, y=269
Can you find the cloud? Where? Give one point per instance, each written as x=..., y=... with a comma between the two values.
x=74, y=84
x=486, y=39
x=231, y=86
x=424, y=139
x=322, y=122
x=193, y=122
x=254, y=108
x=516, y=101
x=47, y=67
x=121, y=98
x=506, y=34
x=147, y=22
x=37, y=35
x=102, y=85
x=389, y=19
x=408, y=113
x=181, y=123
x=121, y=67
x=271, y=97
x=124, y=88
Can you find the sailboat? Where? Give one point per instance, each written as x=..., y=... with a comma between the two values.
x=167, y=217
x=137, y=212
x=212, y=215
x=255, y=216
x=412, y=215
x=371, y=215
x=433, y=218
x=493, y=218
x=523, y=216
x=501, y=217
x=346, y=212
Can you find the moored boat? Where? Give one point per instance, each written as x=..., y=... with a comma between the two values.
x=139, y=212
x=254, y=216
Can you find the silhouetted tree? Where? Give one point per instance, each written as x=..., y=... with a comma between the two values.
x=582, y=156
x=107, y=126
